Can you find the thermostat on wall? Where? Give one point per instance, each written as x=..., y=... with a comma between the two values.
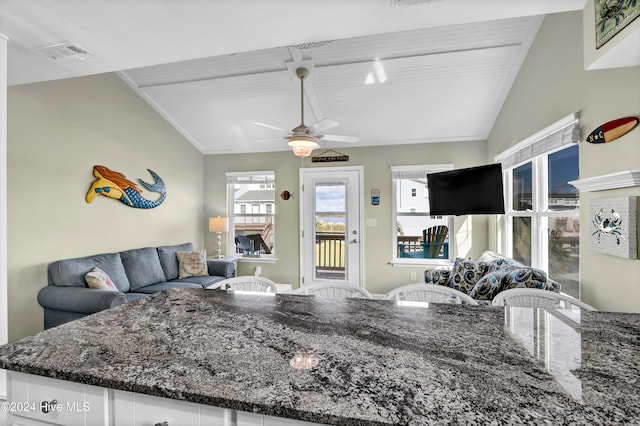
x=375, y=197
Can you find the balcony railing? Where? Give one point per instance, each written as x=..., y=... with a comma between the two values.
x=330, y=255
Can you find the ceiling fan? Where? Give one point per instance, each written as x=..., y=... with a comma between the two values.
x=303, y=139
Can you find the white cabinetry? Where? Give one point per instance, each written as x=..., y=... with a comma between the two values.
x=55, y=401
x=134, y=409
x=251, y=419
x=41, y=401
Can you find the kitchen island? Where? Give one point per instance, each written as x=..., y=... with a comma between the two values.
x=248, y=359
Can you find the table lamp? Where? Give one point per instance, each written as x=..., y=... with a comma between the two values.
x=218, y=225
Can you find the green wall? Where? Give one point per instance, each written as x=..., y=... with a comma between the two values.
x=379, y=275
x=57, y=132
x=551, y=84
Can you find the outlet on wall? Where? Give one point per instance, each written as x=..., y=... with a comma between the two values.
x=413, y=276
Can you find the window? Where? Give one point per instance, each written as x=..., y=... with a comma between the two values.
x=411, y=217
x=252, y=200
x=542, y=224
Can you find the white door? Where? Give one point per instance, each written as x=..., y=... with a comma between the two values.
x=330, y=221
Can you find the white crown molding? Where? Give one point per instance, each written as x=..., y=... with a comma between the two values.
x=623, y=179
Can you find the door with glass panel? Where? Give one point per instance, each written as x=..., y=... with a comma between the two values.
x=330, y=222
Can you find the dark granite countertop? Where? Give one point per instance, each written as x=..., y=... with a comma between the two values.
x=378, y=363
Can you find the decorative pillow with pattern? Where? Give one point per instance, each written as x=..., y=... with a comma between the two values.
x=496, y=262
x=466, y=273
x=519, y=277
x=488, y=286
x=437, y=276
x=192, y=263
x=502, y=264
x=553, y=285
x=99, y=280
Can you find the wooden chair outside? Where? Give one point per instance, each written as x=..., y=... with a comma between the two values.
x=433, y=240
x=434, y=245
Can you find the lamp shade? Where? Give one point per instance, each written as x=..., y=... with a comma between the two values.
x=302, y=144
x=218, y=224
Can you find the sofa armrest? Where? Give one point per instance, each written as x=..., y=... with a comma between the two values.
x=79, y=299
x=221, y=268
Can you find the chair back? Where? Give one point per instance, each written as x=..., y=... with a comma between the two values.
x=433, y=240
x=335, y=290
x=429, y=293
x=537, y=298
x=243, y=243
x=246, y=283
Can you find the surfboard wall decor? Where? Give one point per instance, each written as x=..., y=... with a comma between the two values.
x=612, y=130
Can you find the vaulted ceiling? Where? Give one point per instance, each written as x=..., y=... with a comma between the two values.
x=432, y=73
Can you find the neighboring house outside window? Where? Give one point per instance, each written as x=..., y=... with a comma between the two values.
x=542, y=219
x=256, y=190
x=411, y=217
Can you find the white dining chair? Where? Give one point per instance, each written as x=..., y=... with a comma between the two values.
x=334, y=290
x=537, y=298
x=429, y=293
x=246, y=283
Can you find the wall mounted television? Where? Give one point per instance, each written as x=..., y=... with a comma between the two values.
x=474, y=190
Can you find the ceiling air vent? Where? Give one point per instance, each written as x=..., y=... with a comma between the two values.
x=411, y=3
x=66, y=52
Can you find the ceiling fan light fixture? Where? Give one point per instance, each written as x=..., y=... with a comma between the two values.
x=302, y=145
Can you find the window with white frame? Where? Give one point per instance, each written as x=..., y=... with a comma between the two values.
x=411, y=217
x=542, y=221
x=252, y=205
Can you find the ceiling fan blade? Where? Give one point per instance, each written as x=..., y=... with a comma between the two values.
x=322, y=125
x=340, y=138
x=281, y=138
x=269, y=126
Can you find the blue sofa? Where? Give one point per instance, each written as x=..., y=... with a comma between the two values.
x=136, y=273
x=492, y=273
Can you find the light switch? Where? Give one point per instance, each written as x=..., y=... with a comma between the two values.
x=370, y=223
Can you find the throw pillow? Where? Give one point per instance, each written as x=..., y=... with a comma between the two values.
x=98, y=279
x=488, y=286
x=466, y=273
x=519, y=277
x=496, y=262
x=192, y=263
x=437, y=276
x=553, y=285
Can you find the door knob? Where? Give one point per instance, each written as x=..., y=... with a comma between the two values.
x=353, y=241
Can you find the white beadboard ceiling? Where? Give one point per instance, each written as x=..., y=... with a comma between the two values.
x=438, y=72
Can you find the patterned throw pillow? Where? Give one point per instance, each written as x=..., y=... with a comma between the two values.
x=553, y=285
x=497, y=262
x=466, y=273
x=437, y=276
x=98, y=279
x=192, y=263
x=519, y=277
x=488, y=286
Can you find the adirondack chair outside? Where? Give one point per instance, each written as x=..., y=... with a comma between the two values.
x=434, y=244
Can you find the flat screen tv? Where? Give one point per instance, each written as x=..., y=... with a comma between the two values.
x=474, y=190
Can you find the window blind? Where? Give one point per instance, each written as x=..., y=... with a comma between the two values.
x=251, y=177
x=418, y=172
x=558, y=135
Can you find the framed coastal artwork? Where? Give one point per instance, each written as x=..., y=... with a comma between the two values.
x=613, y=226
x=612, y=16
